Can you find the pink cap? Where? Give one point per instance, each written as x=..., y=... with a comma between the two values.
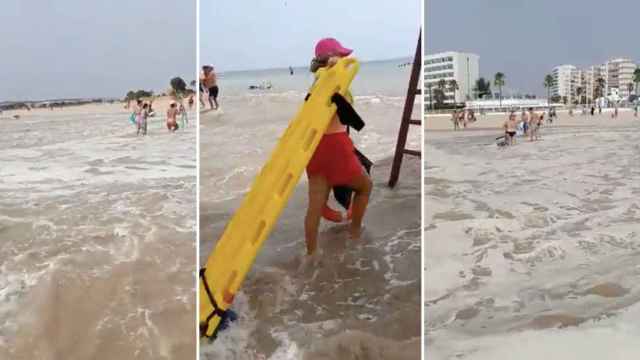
x=331, y=47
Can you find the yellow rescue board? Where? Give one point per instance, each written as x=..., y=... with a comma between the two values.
x=236, y=250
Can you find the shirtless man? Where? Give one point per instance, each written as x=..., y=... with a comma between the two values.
x=454, y=120
x=534, y=125
x=209, y=81
x=510, y=129
x=462, y=119
x=172, y=114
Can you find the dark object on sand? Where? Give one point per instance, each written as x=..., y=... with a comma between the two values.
x=501, y=141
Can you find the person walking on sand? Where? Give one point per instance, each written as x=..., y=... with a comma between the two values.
x=510, y=127
x=534, y=125
x=209, y=80
x=141, y=119
x=454, y=120
x=334, y=162
x=172, y=114
x=463, y=115
x=471, y=116
x=524, y=119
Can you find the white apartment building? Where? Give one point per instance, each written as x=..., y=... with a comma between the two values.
x=619, y=75
x=565, y=81
x=462, y=67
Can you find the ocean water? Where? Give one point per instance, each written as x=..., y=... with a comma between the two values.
x=97, y=232
x=533, y=251
x=361, y=300
x=375, y=78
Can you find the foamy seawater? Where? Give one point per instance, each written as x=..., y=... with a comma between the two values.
x=361, y=300
x=97, y=227
x=534, y=251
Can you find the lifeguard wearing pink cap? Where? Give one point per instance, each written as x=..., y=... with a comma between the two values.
x=328, y=47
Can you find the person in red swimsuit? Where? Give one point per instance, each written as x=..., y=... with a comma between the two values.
x=334, y=163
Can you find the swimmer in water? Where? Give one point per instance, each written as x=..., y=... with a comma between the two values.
x=172, y=114
x=334, y=162
x=141, y=119
x=209, y=81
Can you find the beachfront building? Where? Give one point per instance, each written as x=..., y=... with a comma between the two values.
x=462, y=67
x=616, y=75
x=620, y=76
x=565, y=82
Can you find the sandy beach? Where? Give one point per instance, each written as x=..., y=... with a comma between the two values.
x=97, y=253
x=363, y=298
x=533, y=251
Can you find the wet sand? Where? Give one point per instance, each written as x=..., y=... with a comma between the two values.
x=533, y=251
x=97, y=232
x=362, y=299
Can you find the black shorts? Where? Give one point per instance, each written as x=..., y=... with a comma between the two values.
x=213, y=92
x=511, y=133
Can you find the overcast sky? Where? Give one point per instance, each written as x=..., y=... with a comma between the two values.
x=278, y=33
x=80, y=48
x=525, y=39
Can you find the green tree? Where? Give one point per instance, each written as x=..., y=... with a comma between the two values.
x=579, y=91
x=548, y=84
x=499, y=81
x=430, y=88
x=482, y=88
x=636, y=78
x=440, y=95
x=600, y=82
x=453, y=86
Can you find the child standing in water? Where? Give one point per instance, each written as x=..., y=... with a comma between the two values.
x=141, y=119
x=334, y=162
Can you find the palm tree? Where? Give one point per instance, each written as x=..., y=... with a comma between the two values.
x=579, y=92
x=636, y=78
x=453, y=86
x=481, y=88
x=440, y=93
x=630, y=88
x=600, y=87
x=429, y=87
x=548, y=83
x=498, y=81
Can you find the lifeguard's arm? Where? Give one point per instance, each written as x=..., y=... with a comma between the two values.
x=346, y=113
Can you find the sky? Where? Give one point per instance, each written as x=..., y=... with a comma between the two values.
x=525, y=39
x=79, y=48
x=281, y=33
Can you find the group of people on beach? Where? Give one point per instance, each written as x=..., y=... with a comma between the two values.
x=462, y=117
x=143, y=110
x=530, y=123
x=209, y=87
